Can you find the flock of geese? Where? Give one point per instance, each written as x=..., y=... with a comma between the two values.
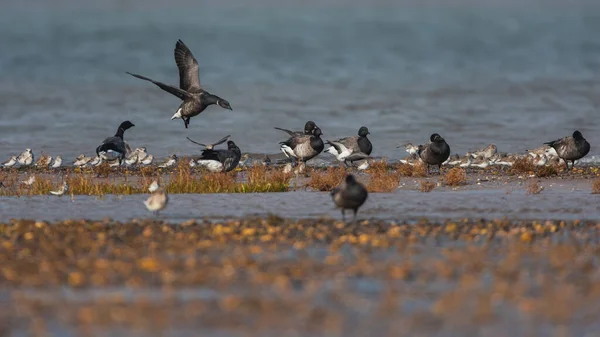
x=300, y=147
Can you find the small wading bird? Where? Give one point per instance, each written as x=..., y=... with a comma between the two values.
x=350, y=194
x=219, y=160
x=571, y=148
x=62, y=190
x=170, y=162
x=115, y=144
x=157, y=201
x=11, y=162
x=25, y=158
x=195, y=99
x=435, y=152
x=57, y=162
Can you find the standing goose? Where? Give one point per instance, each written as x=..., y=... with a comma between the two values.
x=219, y=160
x=350, y=194
x=116, y=143
x=435, y=152
x=195, y=99
x=571, y=148
x=353, y=144
x=308, y=129
x=305, y=147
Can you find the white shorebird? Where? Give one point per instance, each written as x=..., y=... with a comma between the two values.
x=132, y=160
x=62, y=190
x=96, y=161
x=141, y=154
x=411, y=149
x=147, y=160
x=81, y=160
x=487, y=152
x=25, y=158
x=57, y=162
x=193, y=163
x=154, y=186
x=364, y=165
x=169, y=163
x=157, y=201
x=29, y=181
x=540, y=160
x=11, y=162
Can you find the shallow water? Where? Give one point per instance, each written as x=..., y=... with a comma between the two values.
x=516, y=74
x=553, y=203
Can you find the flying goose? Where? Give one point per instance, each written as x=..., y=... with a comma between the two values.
x=349, y=145
x=350, y=194
x=435, y=152
x=219, y=160
x=305, y=147
x=116, y=143
x=571, y=148
x=195, y=99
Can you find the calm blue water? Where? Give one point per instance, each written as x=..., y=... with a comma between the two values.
x=515, y=75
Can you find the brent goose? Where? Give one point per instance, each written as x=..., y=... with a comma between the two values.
x=350, y=145
x=435, y=152
x=350, y=194
x=115, y=143
x=62, y=190
x=571, y=148
x=308, y=129
x=11, y=162
x=170, y=162
x=195, y=99
x=304, y=147
x=219, y=160
x=157, y=201
x=25, y=158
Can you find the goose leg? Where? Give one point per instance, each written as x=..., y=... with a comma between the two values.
x=572, y=164
x=343, y=215
x=186, y=122
x=567, y=164
x=354, y=217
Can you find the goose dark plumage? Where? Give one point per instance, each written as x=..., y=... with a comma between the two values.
x=195, y=99
x=228, y=159
x=116, y=143
x=435, y=152
x=343, y=147
x=571, y=148
x=304, y=147
x=350, y=194
x=308, y=129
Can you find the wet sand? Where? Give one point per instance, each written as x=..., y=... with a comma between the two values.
x=277, y=277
